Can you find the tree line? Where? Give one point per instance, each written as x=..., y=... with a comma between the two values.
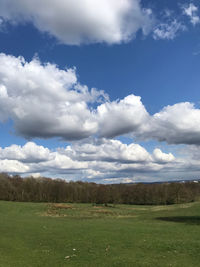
x=29, y=189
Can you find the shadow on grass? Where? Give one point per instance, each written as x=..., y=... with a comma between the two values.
x=181, y=219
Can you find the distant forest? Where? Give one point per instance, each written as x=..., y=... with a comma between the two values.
x=16, y=188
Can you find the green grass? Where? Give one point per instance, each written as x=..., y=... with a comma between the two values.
x=34, y=234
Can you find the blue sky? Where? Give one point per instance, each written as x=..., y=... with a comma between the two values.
x=140, y=123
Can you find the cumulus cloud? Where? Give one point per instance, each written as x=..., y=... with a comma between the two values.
x=95, y=159
x=101, y=160
x=191, y=11
x=44, y=101
x=121, y=117
x=107, y=150
x=81, y=21
x=159, y=156
x=62, y=163
x=176, y=124
x=32, y=158
x=30, y=152
x=13, y=166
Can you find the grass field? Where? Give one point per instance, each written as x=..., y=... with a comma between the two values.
x=54, y=235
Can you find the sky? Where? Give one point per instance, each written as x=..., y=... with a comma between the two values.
x=103, y=91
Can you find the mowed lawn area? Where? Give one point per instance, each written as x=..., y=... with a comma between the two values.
x=38, y=234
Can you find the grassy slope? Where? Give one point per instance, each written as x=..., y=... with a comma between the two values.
x=120, y=236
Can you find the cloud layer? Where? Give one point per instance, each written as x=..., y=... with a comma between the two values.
x=81, y=21
x=100, y=160
x=97, y=159
x=44, y=101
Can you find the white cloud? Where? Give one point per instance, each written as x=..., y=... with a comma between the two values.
x=107, y=150
x=13, y=166
x=30, y=152
x=191, y=11
x=168, y=30
x=101, y=161
x=121, y=117
x=81, y=21
x=44, y=101
x=61, y=162
x=97, y=159
x=32, y=158
x=159, y=156
x=176, y=124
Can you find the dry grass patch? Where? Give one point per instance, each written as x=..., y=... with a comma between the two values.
x=103, y=211
x=54, y=209
x=61, y=206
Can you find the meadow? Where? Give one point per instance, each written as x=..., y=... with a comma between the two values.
x=41, y=234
